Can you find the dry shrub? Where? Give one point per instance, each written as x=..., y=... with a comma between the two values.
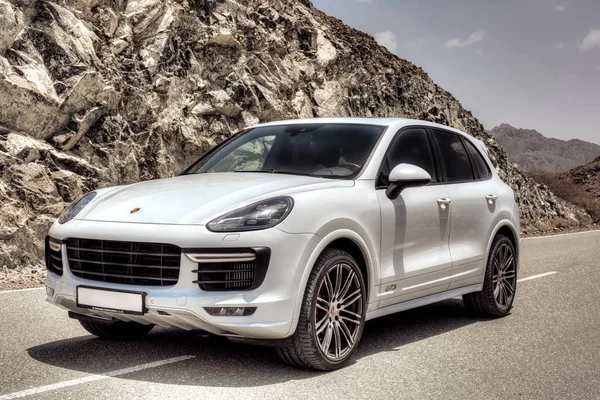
x=564, y=187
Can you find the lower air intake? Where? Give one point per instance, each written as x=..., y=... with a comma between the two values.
x=230, y=269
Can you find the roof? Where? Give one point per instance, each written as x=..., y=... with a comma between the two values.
x=396, y=122
x=338, y=120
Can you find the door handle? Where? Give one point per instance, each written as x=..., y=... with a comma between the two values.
x=444, y=202
x=491, y=198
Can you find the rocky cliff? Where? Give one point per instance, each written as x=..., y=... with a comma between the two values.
x=588, y=178
x=106, y=92
x=534, y=152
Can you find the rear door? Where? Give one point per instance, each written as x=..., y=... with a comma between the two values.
x=473, y=207
x=415, y=257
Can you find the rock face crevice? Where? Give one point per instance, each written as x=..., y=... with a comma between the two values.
x=105, y=92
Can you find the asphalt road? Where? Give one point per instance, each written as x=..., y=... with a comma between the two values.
x=548, y=348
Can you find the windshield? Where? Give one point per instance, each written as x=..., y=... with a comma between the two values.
x=323, y=150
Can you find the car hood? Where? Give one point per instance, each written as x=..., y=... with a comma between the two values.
x=195, y=199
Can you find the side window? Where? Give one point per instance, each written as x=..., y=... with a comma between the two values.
x=480, y=165
x=248, y=157
x=454, y=157
x=408, y=147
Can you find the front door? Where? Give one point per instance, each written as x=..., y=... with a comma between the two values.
x=415, y=254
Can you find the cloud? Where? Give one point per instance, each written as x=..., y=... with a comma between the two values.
x=560, y=7
x=363, y=1
x=472, y=39
x=558, y=46
x=591, y=41
x=388, y=40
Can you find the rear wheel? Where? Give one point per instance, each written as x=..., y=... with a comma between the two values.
x=500, y=284
x=332, y=316
x=119, y=330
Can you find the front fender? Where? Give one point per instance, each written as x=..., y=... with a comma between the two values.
x=340, y=229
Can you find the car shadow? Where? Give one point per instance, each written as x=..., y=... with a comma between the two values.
x=220, y=363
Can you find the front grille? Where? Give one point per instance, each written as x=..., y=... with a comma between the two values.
x=53, y=258
x=230, y=269
x=130, y=263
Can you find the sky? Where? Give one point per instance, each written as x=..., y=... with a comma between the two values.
x=534, y=64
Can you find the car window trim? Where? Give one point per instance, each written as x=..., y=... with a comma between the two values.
x=474, y=171
x=489, y=175
x=441, y=170
x=393, y=141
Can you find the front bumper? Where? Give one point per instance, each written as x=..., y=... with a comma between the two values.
x=182, y=305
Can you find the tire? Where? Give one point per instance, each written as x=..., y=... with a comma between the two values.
x=323, y=316
x=496, y=298
x=118, y=330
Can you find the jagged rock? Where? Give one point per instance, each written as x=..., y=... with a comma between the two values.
x=225, y=38
x=21, y=146
x=69, y=185
x=96, y=93
x=118, y=45
x=587, y=177
x=11, y=24
x=72, y=35
x=84, y=123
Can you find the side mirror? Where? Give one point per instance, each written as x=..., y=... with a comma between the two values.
x=404, y=176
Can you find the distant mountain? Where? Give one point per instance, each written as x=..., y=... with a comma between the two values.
x=533, y=151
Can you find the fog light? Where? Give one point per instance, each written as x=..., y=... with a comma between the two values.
x=53, y=245
x=230, y=311
x=49, y=291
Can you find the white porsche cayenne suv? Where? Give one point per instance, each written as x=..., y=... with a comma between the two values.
x=293, y=234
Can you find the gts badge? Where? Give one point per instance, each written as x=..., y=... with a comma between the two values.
x=389, y=288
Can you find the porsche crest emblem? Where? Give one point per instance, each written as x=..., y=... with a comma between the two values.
x=135, y=210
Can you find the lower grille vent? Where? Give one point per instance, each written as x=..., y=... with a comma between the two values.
x=230, y=269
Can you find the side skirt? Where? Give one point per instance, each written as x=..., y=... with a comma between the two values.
x=423, y=301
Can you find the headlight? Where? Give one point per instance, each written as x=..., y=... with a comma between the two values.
x=72, y=210
x=262, y=215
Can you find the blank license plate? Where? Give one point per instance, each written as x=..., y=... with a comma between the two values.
x=110, y=300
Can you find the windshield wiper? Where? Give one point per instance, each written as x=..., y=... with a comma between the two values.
x=275, y=171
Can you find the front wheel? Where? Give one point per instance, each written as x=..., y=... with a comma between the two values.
x=500, y=284
x=332, y=316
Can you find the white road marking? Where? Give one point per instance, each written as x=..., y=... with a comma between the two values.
x=559, y=235
x=21, y=290
x=532, y=277
x=92, y=378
